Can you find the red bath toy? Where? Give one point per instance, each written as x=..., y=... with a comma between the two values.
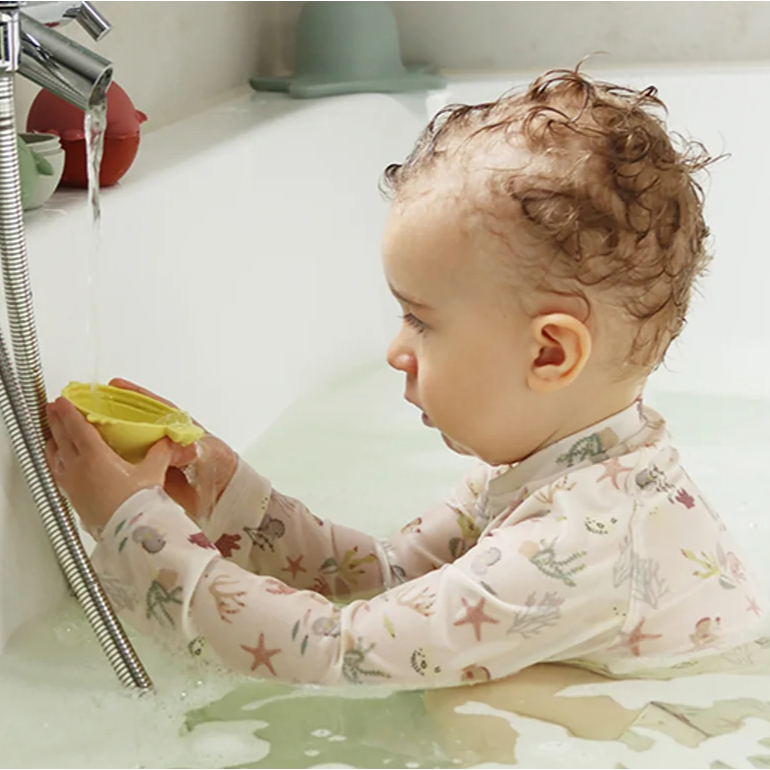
x=51, y=114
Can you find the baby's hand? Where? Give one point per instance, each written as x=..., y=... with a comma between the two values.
x=95, y=478
x=197, y=474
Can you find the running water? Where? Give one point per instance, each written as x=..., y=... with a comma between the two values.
x=95, y=125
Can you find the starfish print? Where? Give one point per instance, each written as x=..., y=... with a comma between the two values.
x=294, y=566
x=261, y=655
x=634, y=638
x=753, y=606
x=475, y=616
x=612, y=469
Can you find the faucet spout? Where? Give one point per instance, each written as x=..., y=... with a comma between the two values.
x=55, y=62
x=56, y=14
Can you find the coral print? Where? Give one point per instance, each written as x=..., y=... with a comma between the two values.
x=537, y=615
x=725, y=566
x=548, y=495
x=543, y=556
x=469, y=534
x=644, y=575
x=354, y=666
x=227, y=596
x=421, y=601
x=348, y=570
x=228, y=544
x=593, y=447
x=202, y=541
x=121, y=596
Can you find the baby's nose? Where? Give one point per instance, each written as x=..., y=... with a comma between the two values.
x=401, y=359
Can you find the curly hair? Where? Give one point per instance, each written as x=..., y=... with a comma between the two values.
x=607, y=198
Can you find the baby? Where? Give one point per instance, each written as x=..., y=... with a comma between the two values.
x=543, y=249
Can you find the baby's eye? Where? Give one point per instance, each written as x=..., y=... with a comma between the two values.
x=414, y=322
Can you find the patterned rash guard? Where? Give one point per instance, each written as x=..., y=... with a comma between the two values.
x=599, y=550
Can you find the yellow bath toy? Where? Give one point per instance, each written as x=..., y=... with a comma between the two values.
x=131, y=422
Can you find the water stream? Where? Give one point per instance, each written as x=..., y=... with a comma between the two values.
x=95, y=125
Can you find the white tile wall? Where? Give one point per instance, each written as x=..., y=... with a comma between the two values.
x=497, y=36
x=175, y=58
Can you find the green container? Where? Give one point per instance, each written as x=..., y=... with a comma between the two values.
x=348, y=48
x=31, y=167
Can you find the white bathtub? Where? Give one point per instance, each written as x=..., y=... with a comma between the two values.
x=240, y=269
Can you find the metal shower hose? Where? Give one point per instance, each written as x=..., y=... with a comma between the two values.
x=22, y=403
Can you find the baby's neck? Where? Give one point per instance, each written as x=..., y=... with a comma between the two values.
x=593, y=405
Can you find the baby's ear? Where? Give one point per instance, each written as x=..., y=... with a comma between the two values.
x=560, y=349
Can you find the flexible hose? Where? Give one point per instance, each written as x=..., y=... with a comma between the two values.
x=22, y=405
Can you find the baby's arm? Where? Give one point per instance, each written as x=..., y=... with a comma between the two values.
x=494, y=610
x=269, y=533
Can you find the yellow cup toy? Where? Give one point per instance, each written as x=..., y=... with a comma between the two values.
x=131, y=422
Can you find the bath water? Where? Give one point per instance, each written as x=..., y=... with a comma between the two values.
x=356, y=453
x=95, y=124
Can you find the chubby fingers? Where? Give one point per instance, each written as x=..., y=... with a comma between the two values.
x=53, y=458
x=60, y=437
x=119, y=382
x=72, y=433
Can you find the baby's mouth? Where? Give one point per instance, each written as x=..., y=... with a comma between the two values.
x=426, y=421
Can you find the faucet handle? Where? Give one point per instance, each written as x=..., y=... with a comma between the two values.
x=90, y=19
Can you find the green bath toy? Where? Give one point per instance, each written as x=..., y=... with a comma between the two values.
x=31, y=167
x=348, y=48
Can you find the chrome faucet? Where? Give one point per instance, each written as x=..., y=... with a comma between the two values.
x=52, y=60
x=56, y=14
x=30, y=46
